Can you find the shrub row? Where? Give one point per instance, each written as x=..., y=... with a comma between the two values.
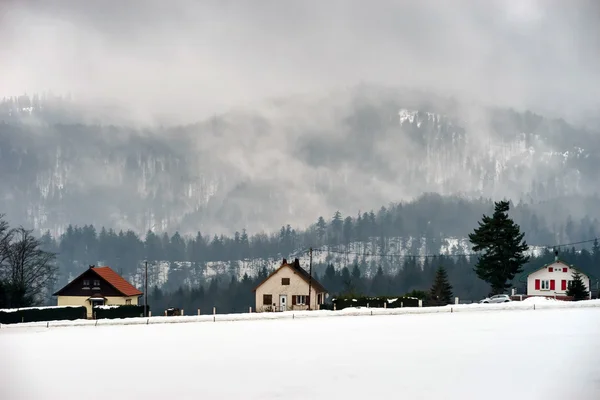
x=43, y=314
x=375, y=302
x=123, y=311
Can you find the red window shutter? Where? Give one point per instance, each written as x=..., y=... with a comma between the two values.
x=552, y=284
x=537, y=284
x=293, y=300
x=563, y=285
x=565, y=269
x=550, y=269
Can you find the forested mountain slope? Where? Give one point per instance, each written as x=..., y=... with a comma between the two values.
x=284, y=160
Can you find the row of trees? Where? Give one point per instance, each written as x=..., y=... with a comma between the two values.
x=27, y=272
x=425, y=223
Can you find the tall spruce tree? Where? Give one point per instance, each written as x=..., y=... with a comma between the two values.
x=577, y=289
x=503, y=247
x=441, y=291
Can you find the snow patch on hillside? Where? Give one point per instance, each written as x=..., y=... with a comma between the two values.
x=368, y=256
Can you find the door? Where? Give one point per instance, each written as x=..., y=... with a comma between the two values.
x=283, y=302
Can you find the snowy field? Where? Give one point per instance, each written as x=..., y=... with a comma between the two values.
x=526, y=354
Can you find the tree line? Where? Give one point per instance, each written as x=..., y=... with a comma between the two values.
x=425, y=222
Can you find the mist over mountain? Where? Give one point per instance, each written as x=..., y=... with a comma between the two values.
x=287, y=161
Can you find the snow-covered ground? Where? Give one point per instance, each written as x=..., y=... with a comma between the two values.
x=542, y=354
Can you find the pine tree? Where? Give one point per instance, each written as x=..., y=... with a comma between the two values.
x=441, y=290
x=503, y=245
x=577, y=289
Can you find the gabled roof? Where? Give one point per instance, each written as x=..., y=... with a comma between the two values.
x=109, y=276
x=295, y=266
x=558, y=262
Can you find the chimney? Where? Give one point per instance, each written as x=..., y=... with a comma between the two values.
x=284, y=261
x=297, y=263
x=556, y=255
x=92, y=266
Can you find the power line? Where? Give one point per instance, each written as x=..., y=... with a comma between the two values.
x=396, y=256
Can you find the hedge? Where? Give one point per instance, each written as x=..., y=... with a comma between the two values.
x=374, y=302
x=43, y=314
x=123, y=311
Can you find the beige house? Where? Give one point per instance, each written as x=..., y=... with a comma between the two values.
x=98, y=286
x=287, y=288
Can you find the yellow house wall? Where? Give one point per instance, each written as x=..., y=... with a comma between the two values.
x=273, y=286
x=82, y=301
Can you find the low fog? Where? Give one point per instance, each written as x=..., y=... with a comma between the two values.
x=257, y=114
x=186, y=60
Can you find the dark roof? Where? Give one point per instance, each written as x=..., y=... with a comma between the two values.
x=301, y=271
x=109, y=276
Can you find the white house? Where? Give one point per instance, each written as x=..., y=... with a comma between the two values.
x=553, y=279
x=287, y=288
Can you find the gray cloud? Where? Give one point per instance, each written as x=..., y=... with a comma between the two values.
x=187, y=60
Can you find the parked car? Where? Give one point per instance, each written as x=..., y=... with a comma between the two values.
x=499, y=298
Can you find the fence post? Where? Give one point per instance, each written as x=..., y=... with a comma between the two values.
x=420, y=303
x=385, y=304
x=149, y=313
x=401, y=304
x=520, y=297
x=214, y=310
x=250, y=310
x=198, y=311
x=367, y=305
x=334, y=307
x=165, y=313
x=456, y=300
x=181, y=312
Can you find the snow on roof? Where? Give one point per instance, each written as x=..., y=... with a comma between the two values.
x=8, y=310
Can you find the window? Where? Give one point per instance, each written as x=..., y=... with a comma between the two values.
x=550, y=269
x=267, y=299
x=320, y=298
x=96, y=282
x=300, y=299
x=545, y=285
x=86, y=282
x=285, y=281
x=565, y=269
x=128, y=302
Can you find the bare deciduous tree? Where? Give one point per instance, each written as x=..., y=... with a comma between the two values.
x=26, y=271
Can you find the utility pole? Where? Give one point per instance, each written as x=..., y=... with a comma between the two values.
x=310, y=277
x=146, y=291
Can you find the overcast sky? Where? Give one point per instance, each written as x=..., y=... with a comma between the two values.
x=192, y=59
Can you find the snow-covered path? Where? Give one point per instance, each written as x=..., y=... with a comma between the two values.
x=542, y=354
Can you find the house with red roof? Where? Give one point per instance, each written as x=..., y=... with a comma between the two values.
x=98, y=286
